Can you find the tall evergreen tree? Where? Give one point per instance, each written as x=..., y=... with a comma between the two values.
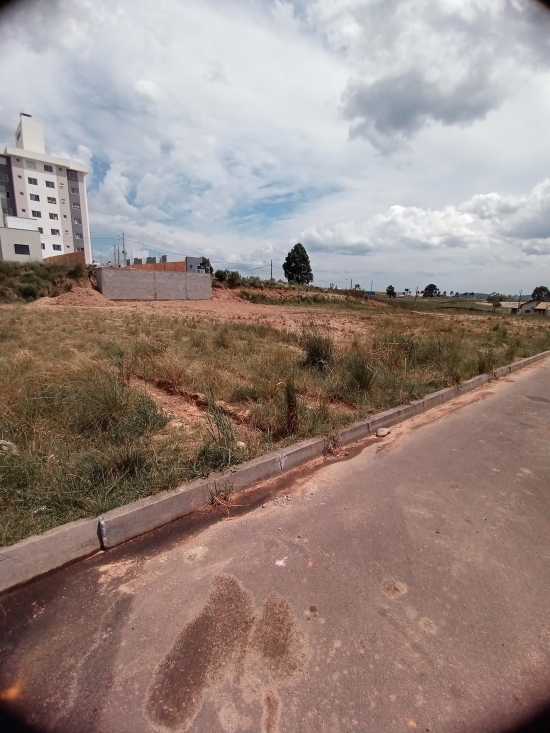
x=297, y=267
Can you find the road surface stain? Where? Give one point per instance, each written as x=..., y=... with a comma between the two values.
x=216, y=645
x=271, y=713
x=393, y=588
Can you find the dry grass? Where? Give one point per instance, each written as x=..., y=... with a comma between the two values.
x=77, y=393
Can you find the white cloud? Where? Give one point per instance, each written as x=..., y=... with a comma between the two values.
x=486, y=228
x=421, y=61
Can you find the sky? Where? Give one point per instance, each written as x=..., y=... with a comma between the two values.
x=400, y=141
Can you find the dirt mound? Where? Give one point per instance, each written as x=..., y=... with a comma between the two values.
x=224, y=294
x=77, y=296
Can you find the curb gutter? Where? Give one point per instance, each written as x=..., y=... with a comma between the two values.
x=42, y=553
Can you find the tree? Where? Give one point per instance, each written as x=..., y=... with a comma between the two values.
x=297, y=267
x=496, y=300
x=541, y=293
x=430, y=291
x=221, y=275
x=390, y=291
x=206, y=266
x=233, y=278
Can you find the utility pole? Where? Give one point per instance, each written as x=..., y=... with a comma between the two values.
x=351, y=283
x=519, y=303
x=416, y=295
x=124, y=253
x=271, y=270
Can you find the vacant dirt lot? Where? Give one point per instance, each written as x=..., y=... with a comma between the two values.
x=106, y=402
x=342, y=318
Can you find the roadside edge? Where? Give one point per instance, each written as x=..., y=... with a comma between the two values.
x=40, y=554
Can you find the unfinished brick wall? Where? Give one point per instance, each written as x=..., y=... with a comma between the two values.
x=162, y=267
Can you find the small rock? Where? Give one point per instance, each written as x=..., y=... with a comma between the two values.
x=6, y=446
x=264, y=506
x=241, y=445
x=382, y=432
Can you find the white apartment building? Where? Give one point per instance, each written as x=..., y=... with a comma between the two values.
x=44, y=193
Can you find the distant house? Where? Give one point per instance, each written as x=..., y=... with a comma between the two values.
x=194, y=264
x=538, y=307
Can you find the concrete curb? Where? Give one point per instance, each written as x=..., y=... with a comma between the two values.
x=131, y=520
x=40, y=554
x=44, y=552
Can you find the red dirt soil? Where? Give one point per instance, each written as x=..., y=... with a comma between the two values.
x=76, y=297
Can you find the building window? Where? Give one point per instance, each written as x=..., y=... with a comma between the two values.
x=43, y=245
x=66, y=231
x=57, y=247
x=33, y=181
x=50, y=184
x=72, y=175
x=22, y=249
x=48, y=168
x=78, y=235
x=7, y=211
x=62, y=201
x=4, y=177
x=61, y=184
x=19, y=176
x=31, y=164
x=3, y=161
x=35, y=197
x=76, y=220
x=37, y=214
x=41, y=230
x=24, y=210
x=52, y=200
x=64, y=216
x=61, y=169
x=74, y=191
x=5, y=195
x=54, y=216
x=76, y=205
x=55, y=232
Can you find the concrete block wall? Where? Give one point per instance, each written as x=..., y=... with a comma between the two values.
x=137, y=284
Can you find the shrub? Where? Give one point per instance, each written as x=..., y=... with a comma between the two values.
x=221, y=275
x=28, y=291
x=78, y=271
x=220, y=447
x=291, y=400
x=233, y=279
x=319, y=350
x=360, y=371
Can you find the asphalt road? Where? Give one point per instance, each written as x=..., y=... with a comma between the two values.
x=405, y=586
